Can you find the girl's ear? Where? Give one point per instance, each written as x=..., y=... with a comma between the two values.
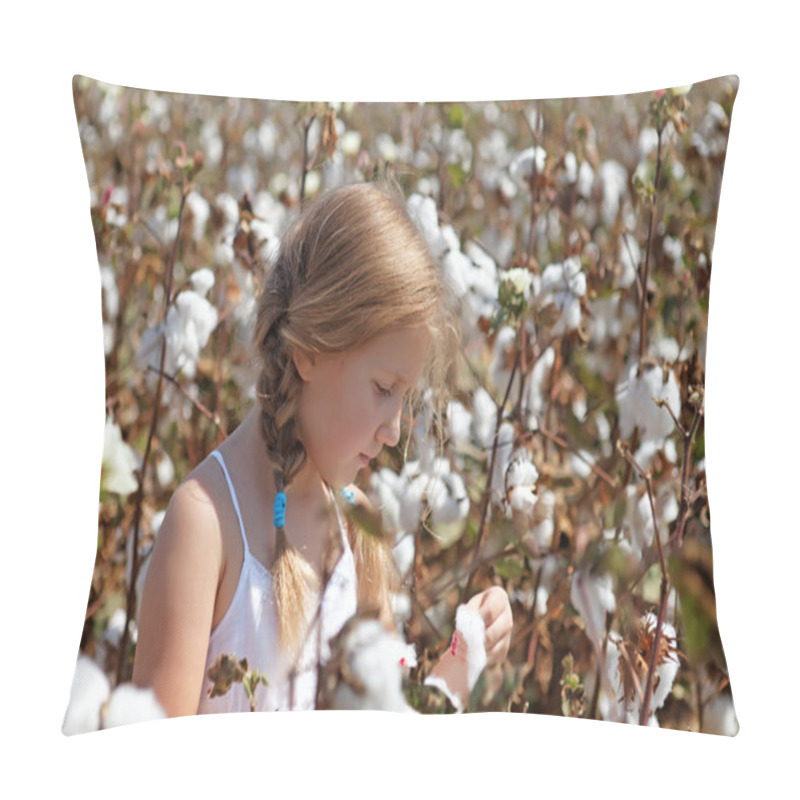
x=304, y=363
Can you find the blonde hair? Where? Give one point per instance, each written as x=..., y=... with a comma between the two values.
x=351, y=267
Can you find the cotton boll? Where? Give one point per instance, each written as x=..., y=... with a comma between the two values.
x=522, y=499
x=459, y=423
x=129, y=703
x=200, y=212
x=423, y=211
x=350, y=143
x=457, y=268
x=668, y=668
x=520, y=481
x=648, y=141
x=164, y=470
x=469, y=624
x=400, y=603
x=411, y=503
x=521, y=279
x=581, y=463
x=115, y=627
x=119, y=463
x=223, y=254
x=637, y=407
x=673, y=249
x=451, y=504
x=498, y=367
x=373, y=678
x=605, y=322
x=403, y=553
x=386, y=489
x=593, y=597
x=719, y=717
x=505, y=445
x=108, y=281
x=630, y=257
x=227, y=204
x=614, y=178
x=190, y=322
x=543, y=528
x=522, y=166
x=538, y=378
x=202, y=280
x=90, y=689
x=484, y=418
x=565, y=284
x=521, y=471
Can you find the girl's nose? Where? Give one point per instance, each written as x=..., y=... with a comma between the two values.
x=389, y=431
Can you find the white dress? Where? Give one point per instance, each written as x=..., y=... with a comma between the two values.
x=249, y=630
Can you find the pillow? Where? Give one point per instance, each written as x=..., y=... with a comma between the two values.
x=576, y=236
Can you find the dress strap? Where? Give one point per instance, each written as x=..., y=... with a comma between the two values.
x=221, y=461
x=342, y=529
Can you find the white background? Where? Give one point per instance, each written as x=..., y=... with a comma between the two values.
x=53, y=385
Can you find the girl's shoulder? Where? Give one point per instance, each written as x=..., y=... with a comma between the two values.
x=195, y=514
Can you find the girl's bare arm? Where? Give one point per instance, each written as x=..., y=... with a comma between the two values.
x=178, y=601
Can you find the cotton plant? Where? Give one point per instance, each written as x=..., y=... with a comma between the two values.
x=471, y=273
x=189, y=324
x=629, y=670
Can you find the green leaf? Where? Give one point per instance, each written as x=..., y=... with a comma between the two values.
x=456, y=116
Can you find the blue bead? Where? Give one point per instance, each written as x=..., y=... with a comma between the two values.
x=279, y=510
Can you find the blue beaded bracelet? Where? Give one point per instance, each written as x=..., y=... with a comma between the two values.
x=349, y=495
x=279, y=510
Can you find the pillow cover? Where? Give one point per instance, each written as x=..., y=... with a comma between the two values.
x=576, y=236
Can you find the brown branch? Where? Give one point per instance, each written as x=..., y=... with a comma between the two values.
x=561, y=442
x=688, y=438
x=643, y=304
x=122, y=672
x=488, y=491
x=210, y=415
x=644, y=713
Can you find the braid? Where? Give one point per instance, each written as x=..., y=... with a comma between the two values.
x=294, y=580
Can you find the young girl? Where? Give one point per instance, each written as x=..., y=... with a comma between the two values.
x=254, y=558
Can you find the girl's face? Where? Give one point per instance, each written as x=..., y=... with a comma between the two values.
x=350, y=403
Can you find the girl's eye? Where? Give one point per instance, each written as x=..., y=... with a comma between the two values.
x=383, y=391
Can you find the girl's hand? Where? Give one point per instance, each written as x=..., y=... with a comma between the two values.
x=494, y=608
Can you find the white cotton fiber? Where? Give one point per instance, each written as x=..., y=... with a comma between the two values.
x=129, y=703
x=469, y=624
x=90, y=689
